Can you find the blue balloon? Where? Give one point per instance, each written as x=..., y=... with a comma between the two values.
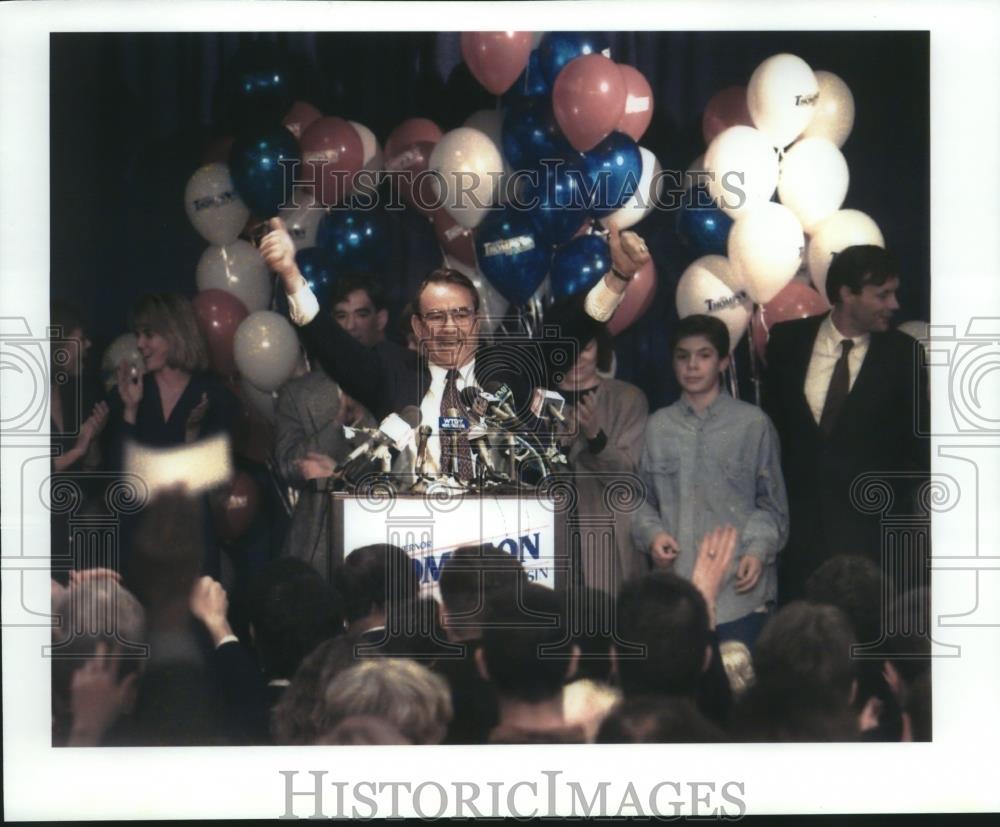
x=561, y=202
x=559, y=48
x=578, y=266
x=530, y=83
x=530, y=134
x=257, y=163
x=260, y=85
x=317, y=269
x=355, y=239
x=613, y=169
x=511, y=255
x=701, y=226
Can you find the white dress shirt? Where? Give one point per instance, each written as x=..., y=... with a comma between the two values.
x=430, y=407
x=826, y=351
x=302, y=305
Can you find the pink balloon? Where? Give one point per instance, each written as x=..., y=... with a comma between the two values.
x=796, y=300
x=723, y=110
x=638, y=299
x=219, y=314
x=588, y=100
x=496, y=58
x=412, y=131
x=454, y=239
x=332, y=148
x=300, y=117
x=638, y=103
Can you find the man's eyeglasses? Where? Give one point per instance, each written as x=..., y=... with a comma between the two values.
x=460, y=316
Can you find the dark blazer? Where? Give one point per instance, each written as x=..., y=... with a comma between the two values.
x=875, y=432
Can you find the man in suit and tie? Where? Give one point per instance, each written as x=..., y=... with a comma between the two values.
x=841, y=390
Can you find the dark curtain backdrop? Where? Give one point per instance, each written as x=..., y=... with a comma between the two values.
x=131, y=115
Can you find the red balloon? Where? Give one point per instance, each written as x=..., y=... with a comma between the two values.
x=454, y=239
x=588, y=100
x=332, y=148
x=638, y=103
x=413, y=131
x=219, y=314
x=496, y=59
x=638, y=299
x=237, y=510
x=412, y=162
x=300, y=117
x=253, y=435
x=723, y=110
x=796, y=300
x=217, y=151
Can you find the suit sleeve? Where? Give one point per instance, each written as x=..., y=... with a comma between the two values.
x=766, y=530
x=624, y=437
x=293, y=439
x=771, y=384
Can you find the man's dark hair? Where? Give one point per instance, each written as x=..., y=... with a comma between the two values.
x=374, y=577
x=351, y=281
x=699, y=324
x=445, y=275
x=667, y=615
x=293, y=610
x=655, y=719
x=776, y=712
x=523, y=644
x=473, y=573
x=855, y=585
x=66, y=316
x=854, y=267
x=573, y=322
x=807, y=646
x=591, y=618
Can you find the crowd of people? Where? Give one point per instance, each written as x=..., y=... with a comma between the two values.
x=748, y=598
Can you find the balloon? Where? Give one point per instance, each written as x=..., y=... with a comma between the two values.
x=213, y=206
x=781, y=97
x=578, y=266
x=559, y=203
x=257, y=162
x=646, y=195
x=253, y=435
x=702, y=229
x=316, y=266
x=266, y=350
x=834, y=115
x=588, y=100
x=355, y=239
x=371, y=152
x=219, y=314
x=530, y=83
x=455, y=240
x=813, y=180
x=794, y=301
x=123, y=349
x=696, y=175
x=490, y=123
x=409, y=132
x=710, y=286
x=332, y=148
x=260, y=85
x=302, y=223
x=613, y=169
x=743, y=168
x=236, y=512
x=236, y=268
x=510, y=254
x=843, y=229
x=766, y=248
x=556, y=49
x=492, y=304
x=299, y=118
x=496, y=58
x=415, y=186
x=261, y=403
x=723, y=110
x=530, y=134
x=638, y=299
x=470, y=167
x=638, y=103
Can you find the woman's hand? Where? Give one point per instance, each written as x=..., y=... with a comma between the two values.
x=192, y=427
x=129, y=388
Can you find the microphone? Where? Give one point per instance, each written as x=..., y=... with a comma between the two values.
x=450, y=427
x=423, y=434
x=553, y=404
x=395, y=431
x=501, y=407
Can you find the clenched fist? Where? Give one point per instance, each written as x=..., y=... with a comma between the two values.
x=278, y=251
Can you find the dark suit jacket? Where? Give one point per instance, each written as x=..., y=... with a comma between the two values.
x=875, y=432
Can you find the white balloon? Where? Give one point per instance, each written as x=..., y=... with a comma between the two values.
x=261, y=401
x=766, y=247
x=372, y=152
x=266, y=350
x=813, y=180
x=470, y=166
x=743, y=169
x=213, y=206
x=490, y=123
x=239, y=269
x=641, y=202
x=843, y=229
x=123, y=349
x=834, y=115
x=709, y=285
x=492, y=303
x=781, y=97
x=302, y=223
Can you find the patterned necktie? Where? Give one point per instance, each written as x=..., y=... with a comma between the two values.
x=836, y=394
x=452, y=400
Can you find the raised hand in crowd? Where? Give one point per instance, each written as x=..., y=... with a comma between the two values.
x=664, y=550
x=90, y=429
x=278, y=251
x=129, y=389
x=588, y=416
x=210, y=604
x=629, y=254
x=715, y=555
x=192, y=427
x=98, y=698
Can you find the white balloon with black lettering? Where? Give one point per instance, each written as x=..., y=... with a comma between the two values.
x=710, y=286
x=843, y=229
x=213, y=206
x=766, y=246
x=647, y=193
x=266, y=350
x=813, y=180
x=781, y=97
x=239, y=269
x=743, y=169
